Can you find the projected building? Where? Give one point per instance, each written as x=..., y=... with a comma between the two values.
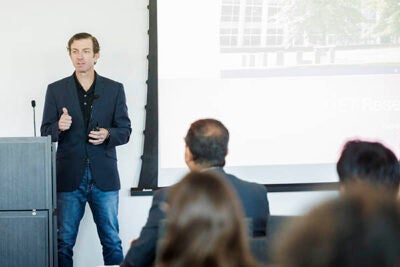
x=291, y=33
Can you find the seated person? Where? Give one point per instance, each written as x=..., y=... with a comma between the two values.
x=371, y=162
x=206, y=149
x=205, y=225
x=360, y=228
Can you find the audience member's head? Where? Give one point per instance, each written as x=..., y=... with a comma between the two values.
x=369, y=161
x=206, y=144
x=204, y=225
x=361, y=228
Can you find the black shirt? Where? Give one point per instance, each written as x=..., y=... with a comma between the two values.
x=86, y=100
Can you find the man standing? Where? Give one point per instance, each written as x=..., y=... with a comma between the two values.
x=206, y=149
x=88, y=117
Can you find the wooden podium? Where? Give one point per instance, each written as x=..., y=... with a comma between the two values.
x=28, y=225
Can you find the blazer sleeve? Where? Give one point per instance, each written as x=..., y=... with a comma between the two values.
x=142, y=253
x=50, y=117
x=121, y=126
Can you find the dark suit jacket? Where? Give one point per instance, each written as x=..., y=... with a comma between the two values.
x=254, y=200
x=109, y=111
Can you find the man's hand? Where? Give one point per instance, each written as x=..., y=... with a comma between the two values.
x=65, y=120
x=98, y=137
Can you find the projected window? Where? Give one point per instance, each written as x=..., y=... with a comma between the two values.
x=229, y=37
x=273, y=8
x=230, y=11
x=274, y=37
x=252, y=37
x=253, y=11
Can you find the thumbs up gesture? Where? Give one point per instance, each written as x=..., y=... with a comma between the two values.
x=65, y=120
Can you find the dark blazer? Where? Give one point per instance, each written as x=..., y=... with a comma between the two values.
x=73, y=151
x=255, y=204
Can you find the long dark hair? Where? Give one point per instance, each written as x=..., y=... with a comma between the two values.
x=204, y=225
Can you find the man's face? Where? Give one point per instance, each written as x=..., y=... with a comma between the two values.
x=82, y=55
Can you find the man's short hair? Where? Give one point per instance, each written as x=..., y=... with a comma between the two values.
x=369, y=161
x=207, y=140
x=84, y=35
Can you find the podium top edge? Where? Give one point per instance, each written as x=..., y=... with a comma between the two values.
x=39, y=139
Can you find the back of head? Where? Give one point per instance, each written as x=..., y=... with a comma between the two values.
x=362, y=228
x=207, y=140
x=204, y=225
x=369, y=161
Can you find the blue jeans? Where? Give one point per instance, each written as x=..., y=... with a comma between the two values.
x=70, y=210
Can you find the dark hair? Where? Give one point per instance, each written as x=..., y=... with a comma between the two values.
x=369, y=161
x=205, y=226
x=84, y=35
x=361, y=228
x=207, y=140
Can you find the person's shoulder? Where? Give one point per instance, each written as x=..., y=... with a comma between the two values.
x=60, y=82
x=108, y=81
x=247, y=184
x=58, y=86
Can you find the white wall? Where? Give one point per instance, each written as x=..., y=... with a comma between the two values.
x=33, y=46
x=34, y=37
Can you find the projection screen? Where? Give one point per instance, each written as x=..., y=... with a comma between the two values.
x=291, y=82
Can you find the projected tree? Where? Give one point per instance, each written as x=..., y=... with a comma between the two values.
x=321, y=22
x=388, y=20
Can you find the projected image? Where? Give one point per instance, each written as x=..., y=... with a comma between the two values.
x=305, y=37
x=291, y=80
